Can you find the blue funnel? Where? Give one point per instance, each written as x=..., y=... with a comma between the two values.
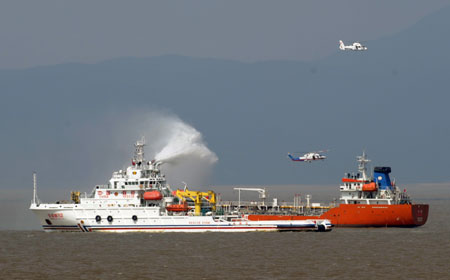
x=381, y=177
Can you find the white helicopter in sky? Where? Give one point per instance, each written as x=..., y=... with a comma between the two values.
x=356, y=46
x=309, y=157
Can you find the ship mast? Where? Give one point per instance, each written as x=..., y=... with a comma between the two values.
x=362, y=166
x=139, y=152
x=35, y=197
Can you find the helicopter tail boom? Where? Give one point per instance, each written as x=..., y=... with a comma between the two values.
x=293, y=158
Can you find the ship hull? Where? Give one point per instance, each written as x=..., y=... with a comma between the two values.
x=358, y=215
x=73, y=218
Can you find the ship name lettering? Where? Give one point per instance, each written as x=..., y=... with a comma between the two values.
x=56, y=215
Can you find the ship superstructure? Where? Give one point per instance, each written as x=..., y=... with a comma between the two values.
x=360, y=188
x=139, y=199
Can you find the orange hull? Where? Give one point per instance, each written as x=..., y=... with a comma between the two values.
x=359, y=215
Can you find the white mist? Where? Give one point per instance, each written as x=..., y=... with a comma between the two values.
x=181, y=148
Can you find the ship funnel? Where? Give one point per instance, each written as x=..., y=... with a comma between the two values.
x=381, y=176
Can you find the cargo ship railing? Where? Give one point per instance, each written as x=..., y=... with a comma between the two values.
x=284, y=208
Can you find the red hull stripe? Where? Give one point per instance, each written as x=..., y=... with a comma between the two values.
x=75, y=228
x=81, y=228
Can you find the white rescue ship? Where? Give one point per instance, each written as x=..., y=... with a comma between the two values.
x=138, y=199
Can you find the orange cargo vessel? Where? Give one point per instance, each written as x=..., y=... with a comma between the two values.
x=366, y=201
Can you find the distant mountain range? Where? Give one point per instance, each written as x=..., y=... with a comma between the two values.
x=392, y=100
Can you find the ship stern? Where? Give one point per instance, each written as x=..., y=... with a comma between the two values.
x=419, y=214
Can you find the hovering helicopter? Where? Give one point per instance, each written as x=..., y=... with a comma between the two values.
x=309, y=157
x=356, y=46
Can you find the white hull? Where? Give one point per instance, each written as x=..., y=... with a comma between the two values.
x=72, y=217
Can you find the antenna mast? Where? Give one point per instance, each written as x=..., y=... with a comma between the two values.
x=35, y=198
x=363, y=160
x=139, y=151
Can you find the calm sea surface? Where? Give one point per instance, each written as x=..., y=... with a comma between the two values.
x=420, y=253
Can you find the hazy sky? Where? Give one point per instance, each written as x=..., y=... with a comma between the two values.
x=50, y=32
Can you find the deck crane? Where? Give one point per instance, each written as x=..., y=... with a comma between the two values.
x=262, y=194
x=197, y=197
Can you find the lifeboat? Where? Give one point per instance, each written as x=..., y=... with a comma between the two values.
x=370, y=187
x=152, y=195
x=177, y=207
